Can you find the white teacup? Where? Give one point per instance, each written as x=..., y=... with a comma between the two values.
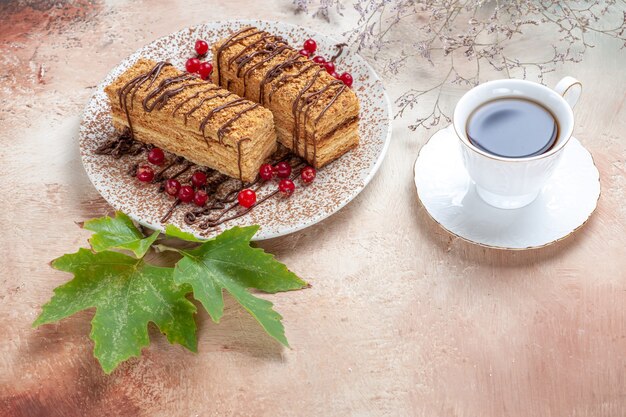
x=510, y=183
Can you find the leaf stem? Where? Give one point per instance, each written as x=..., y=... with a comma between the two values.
x=165, y=248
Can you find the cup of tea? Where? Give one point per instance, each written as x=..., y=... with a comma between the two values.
x=512, y=135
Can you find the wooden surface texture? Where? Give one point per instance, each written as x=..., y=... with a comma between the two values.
x=401, y=320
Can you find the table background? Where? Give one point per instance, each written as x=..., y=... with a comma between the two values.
x=402, y=319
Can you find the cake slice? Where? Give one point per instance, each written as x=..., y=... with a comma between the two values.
x=316, y=115
x=206, y=124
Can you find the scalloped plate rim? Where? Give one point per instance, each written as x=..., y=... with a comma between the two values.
x=260, y=236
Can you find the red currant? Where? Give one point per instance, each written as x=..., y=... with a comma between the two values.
x=156, y=156
x=308, y=175
x=192, y=65
x=201, y=47
x=319, y=60
x=286, y=187
x=310, y=46
x=346, y=78
x=246, y=198
x=172, y=186
x=205, y=70
x=198, y=179
x=200, y=198
x=304, y=52
x=185, y=194
x=334, y=74
x=330, y=67
x=266, y=172
x=145, y=173
x=283, y=169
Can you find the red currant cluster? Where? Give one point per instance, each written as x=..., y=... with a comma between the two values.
x=185, y=193
x=286, y=186
x=145, y=173
x=195, y=66
x=308, y=49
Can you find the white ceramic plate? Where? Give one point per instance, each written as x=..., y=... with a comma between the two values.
x=449, y=196
x=335, y=185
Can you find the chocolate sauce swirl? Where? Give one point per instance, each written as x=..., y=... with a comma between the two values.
x=221, y=217
x=123, y=145
x=222, y=190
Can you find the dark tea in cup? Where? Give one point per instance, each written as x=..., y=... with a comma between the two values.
x=512, y=128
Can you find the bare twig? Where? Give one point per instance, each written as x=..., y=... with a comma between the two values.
x=476, y=30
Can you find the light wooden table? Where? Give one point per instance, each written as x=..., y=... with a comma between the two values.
x=402, y=319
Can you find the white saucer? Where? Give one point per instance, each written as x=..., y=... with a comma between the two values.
x=449, y=196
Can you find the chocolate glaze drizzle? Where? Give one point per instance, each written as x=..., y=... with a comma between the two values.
x=275, y=71
x=269, y=47
x=213, y=111
x=221, y=189
x=133, y=86
x=235, y=36
x=339, y=47
x=170, y=87
x=123, y=145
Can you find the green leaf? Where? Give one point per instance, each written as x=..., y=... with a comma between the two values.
x=173, y=231
x=118, y=232
x=127, y=294
x=229, y=262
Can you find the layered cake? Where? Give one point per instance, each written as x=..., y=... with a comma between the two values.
x=316, y=115
x=206, y=124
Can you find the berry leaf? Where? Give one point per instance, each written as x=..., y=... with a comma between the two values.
x=228, y=262
x=118, y=232
x=127, y=294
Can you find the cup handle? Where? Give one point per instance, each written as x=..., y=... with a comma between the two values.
x=570, y=88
